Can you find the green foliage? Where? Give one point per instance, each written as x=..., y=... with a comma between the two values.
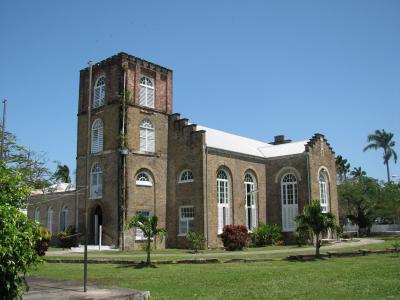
x=302, y=236
x=266, y=234
x=316, y=222
x=68, y=238
x=62, y=174
x=13, y=190
x=342, y=168
x=18, y=236
x=396, y=246
x=42, y=243
x=358, y=173
x=359, y=198
x=148, y=224
x=197, y=241
x=234, y=237
x=388, y=204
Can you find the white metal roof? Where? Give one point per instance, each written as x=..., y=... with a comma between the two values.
x=230, y=142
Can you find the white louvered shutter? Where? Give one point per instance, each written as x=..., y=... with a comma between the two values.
x=97, y=92
x=150, y=97
x=150, y=140
x=100, y=139
x=142, y=139
x=142, y=96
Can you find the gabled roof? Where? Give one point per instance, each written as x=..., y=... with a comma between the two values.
x=230, y=142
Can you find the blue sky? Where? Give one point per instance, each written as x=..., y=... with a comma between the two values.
x=254, y=68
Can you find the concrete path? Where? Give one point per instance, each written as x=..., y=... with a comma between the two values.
x=48, y=289
x=362, y=242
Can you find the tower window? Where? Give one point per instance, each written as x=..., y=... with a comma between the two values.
x=97, y=136
x=96, y=182
x=186, y=219
x=146, y=97
x=99, y=92
x=143, y=179
x=186, y=176
x=147, y=136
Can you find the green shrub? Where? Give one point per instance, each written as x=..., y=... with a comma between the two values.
x=301, y=235
x=68, y=238
x=197, y=241
x=396, y=246
x=266, y=234
x=234, y=237
x=42, y=244
x=18, y=236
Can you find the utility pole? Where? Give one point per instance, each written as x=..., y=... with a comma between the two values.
x=87, y=178
x=3, y=130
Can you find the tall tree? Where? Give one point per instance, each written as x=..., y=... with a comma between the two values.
x=383, y=140
x=357, y=173
x=342, y=168
x=62, y=174
x=316, y=221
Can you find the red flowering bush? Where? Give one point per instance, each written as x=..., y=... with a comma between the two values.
x=234, y=237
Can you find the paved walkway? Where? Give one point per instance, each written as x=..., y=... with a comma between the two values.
x=48, y=289
x=362, y=242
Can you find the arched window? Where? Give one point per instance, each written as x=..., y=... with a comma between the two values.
x=223, y=197
x=289, y=202
x=147, y=136
x=37, y=214
x=63, y=218
x=143, y=179
x=96, y=182
x=97, y=136
x=250, y=201
x=323, y=191
x=99, y=92
x=186, y=176
x=50, y=219
x=146, y=92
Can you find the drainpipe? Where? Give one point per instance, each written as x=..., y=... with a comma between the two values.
x=206, y=197
x=123, y=158
x=308, y=177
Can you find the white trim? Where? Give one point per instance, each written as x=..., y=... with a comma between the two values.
x=185, y=180
x=223, y=200
x=148, y=182
x=252, y=197
x=99, y=92
x=289, y=210
x=147, y=92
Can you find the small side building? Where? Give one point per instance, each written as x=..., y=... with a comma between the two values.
x=54, y=209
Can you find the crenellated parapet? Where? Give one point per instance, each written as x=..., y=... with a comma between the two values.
x=318, y=137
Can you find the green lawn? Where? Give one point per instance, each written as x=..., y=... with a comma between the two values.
x=366, y=277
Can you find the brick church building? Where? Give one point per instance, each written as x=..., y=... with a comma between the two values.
x=145, y=158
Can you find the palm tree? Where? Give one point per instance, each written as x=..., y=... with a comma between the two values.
x=357, y=173
x=342, y=167
x=62, y=174
x=148, y=225
x=316, y=222
x=383, y=139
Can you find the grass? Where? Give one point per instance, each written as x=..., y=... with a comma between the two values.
x=175, y=254
x=366, y=277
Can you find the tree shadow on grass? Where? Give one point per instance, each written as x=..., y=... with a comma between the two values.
x=137, y=266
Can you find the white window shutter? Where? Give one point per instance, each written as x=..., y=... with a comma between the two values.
x=100, y=139
x=150, y=140
x=142, y=96
x=102, y=94
x=253, y=217
x=150, y=97
x=220, y=218
x=142, y=139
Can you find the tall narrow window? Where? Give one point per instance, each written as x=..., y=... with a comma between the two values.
x=96, y=183
x=63, y=218
x=99, y=92
x=250, y=201
x=139, y=232
x=223, y=195
x=50, y=219
x=186, y=219
x=147, y=136
x=323, y=191
x=146, y=92
x=97, y=136
x=37, y=214
x=289, y=202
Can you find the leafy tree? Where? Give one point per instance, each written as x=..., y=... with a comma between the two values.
x=388, y=204
x=62, y=174
x=383, y=140
x=342, y=168
x=13, y=190
x=357, y=173
x=316, y=221
x=148, y=224
x=360, y=197
x=18, y=234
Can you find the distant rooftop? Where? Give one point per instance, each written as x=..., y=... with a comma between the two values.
x=230, y=142
x=56, y=188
